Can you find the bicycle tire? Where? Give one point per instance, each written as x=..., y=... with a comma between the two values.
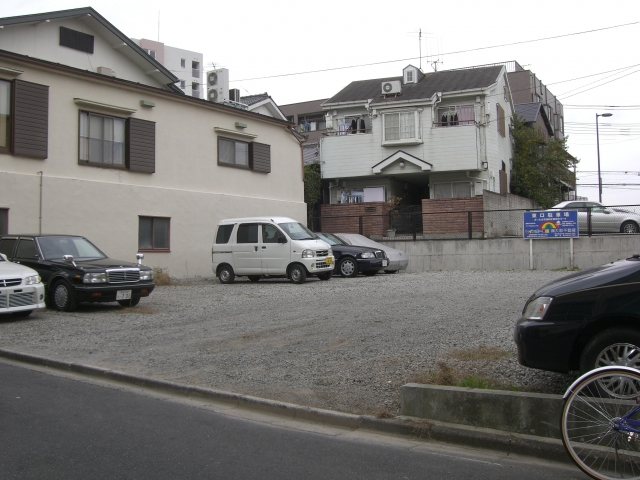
x=593, y=405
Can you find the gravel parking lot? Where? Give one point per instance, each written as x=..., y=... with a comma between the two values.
x=346, y=344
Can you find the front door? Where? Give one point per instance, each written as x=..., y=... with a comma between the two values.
x=247, y=257
x=275, y=256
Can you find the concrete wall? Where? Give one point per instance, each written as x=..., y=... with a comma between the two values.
x=513, y=253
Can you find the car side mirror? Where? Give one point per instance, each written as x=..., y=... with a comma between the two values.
x=282, y=240
x=69, y=259
x=139, y=256
x=607, y=211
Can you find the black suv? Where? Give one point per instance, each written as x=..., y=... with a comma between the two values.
x=583, y=321
x=74, y=270
x=351, y=259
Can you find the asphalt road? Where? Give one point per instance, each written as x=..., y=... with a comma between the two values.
x=54, y=425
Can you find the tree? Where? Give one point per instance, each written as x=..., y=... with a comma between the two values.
x=312, y=188
x=540, y=166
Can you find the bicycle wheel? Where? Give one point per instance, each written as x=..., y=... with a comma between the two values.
x=594, y=420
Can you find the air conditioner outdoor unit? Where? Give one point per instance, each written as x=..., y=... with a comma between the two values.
x=391, y=87
x=218, y=85
x=234, y=95
x=106, y=71
x=329, y=121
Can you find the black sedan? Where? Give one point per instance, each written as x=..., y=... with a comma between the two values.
x=351, y=260
x=74, y=270
x=583, y=321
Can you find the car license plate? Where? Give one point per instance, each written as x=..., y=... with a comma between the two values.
x=384, y=263
x=329, y=260
x=123, y=295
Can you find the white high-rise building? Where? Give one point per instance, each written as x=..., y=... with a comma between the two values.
x=184, y=64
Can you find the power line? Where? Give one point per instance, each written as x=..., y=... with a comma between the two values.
x=568, y=96
x=428, y=56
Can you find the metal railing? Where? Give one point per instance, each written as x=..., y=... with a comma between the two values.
x=473, y=224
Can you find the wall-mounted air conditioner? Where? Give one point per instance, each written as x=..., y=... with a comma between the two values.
x=391, y=87
x=106, y=71
x=218, y=85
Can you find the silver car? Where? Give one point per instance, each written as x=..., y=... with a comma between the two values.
x=603, y=219
x=21, y=290
x=398, y=259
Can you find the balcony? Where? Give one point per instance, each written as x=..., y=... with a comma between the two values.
x=195, y=73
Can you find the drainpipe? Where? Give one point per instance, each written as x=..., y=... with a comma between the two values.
x=40, y=213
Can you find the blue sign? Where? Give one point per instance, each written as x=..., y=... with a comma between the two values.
x=551, y=224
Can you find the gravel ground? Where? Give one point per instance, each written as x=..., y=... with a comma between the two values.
x=346, y=344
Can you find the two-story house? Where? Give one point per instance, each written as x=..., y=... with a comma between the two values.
x=418, y=136
x=98, y=139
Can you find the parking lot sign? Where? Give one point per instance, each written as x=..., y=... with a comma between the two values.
x=551, y=224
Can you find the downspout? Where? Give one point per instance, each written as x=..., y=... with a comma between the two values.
x=40, y=213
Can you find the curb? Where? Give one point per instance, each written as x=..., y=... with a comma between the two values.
x=416, y=428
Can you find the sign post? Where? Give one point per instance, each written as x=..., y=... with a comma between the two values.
x=550, y=224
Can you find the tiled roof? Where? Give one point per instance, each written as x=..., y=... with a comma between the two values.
x=431, y=83
x=528, y=112
x=251, y=99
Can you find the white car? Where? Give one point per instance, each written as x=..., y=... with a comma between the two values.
x=603, y=219
x=398, y=259
x=21, y=290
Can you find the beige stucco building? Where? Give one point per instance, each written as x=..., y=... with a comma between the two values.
x=102, y=143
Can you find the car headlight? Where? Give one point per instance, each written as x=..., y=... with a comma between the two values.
x=32, y=280
x=537, y=308
x=367, y=255
x=330, y=253
x=308, y=254
x=95, y=278
x=146, y=274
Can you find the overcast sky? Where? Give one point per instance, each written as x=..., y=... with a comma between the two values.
x=268, y=38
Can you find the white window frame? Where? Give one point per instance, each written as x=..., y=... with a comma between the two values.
x=451, y=189
x=416, y=139
x=112, y=149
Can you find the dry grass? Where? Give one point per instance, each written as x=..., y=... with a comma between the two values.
x=450, y=376
x=480, y=354
x=161, y=276
x=382, y=413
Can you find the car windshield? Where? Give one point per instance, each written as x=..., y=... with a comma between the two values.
x=330, y=239
x=297, y=231
x=56, y=247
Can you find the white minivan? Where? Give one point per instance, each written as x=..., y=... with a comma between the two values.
x=270, y=247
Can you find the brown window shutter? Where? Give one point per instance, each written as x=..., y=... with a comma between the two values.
x=141, y=145
x=30, y=133
x=261, y=157
x=501, y=126
x=503, y=182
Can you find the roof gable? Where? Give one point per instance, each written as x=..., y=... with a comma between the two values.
x=39, y=36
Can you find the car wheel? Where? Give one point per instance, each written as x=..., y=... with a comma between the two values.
x=226, y=275
x=617, y=346
x=370, y=273
x=391, y=271
x=132, y=302
x=23, y=313
x=62, y=297
x=629, y=227
x=298, y=274
x=348, y=267
x=254, y=278
x=325, y=276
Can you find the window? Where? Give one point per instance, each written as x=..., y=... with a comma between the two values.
x=7, y=246
x=151, y=53
x=401, y=127
x=102, y=139
x=24, y=118
x=183, y=63
x=224, y=233
x=153, y=233
x=26, y=249
x=4, y=221
x=183, y=84
x=455, y=115
x=248, y=233
x=270, y=233
x=501, y=121
x=452, y=190
x=409, y=76
x=233, y=152
x=5, y=115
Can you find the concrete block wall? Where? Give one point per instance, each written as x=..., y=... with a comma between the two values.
x=513, y=253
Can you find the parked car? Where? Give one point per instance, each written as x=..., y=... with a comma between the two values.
x=603, y=219
x=351, y=260
x=21, y=289
x=585, y=320
x=398, y=259
x=271, y=247
x=74, y=270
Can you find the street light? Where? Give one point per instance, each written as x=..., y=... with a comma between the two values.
x=598, y=146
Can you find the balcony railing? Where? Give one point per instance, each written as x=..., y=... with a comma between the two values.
x=339, y=133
